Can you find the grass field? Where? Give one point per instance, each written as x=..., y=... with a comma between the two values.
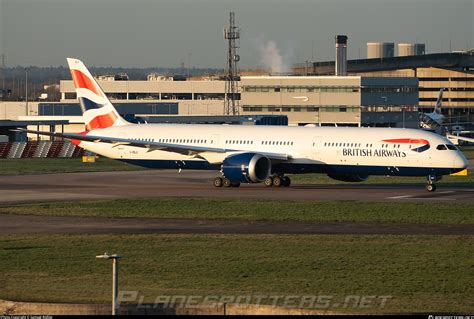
x=26, y=166
x=252, y=209
x=421, y=273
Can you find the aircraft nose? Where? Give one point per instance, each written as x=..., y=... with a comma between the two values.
x=460, y=161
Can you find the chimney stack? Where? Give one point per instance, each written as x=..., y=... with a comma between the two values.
x=341, y=55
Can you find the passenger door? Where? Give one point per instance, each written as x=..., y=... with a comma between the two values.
x=214, y=142
x=316, y=148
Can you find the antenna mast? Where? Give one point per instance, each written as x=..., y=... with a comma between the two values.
x=231, y=100
x=2, y=73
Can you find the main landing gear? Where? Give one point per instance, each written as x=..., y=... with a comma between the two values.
x=277, y=181
x=225, y=182
x=430, y=185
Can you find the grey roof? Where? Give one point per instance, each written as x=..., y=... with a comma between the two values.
x=10, y=123
x=461, y=61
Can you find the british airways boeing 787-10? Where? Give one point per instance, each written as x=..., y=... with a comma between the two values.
x=254, y=154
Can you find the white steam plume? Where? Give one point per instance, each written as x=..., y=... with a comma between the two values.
x=271, y=58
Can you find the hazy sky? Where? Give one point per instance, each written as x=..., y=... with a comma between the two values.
x=165, y=33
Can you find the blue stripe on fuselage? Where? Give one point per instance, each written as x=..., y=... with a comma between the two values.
x=291, y=168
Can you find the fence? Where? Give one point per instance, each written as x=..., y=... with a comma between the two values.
x=41, y=149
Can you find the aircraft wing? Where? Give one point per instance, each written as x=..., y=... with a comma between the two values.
x=189, y=150
x=462, y=138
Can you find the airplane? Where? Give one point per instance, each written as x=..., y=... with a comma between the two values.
x=436, y=116
x=456, y=138
x=258, y=154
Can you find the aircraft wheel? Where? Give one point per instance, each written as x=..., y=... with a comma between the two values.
x=431, y=187
x=217, y=182
x=286, y=181
x=277, y=181
x=268, y=181
x=235, y=184
x=226, y=182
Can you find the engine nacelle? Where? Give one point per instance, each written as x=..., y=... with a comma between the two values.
x=246, y=167
x=349, y=177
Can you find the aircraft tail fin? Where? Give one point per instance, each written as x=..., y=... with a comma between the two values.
x=439, y=103
x=97, y=110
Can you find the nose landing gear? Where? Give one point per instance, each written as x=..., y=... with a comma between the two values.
x=430, y=185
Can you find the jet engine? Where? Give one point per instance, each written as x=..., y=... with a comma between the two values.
x=246, y=167
x=348, y=177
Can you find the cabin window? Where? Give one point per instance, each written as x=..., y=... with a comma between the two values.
x=451, y=147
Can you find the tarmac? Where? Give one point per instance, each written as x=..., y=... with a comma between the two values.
x=188, y=183
x=22, y=189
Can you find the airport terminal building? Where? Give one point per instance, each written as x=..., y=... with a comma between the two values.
x=451, y=71
x=320, y=100
x=303, y=100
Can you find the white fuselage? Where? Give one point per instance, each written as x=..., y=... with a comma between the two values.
x=309, y=149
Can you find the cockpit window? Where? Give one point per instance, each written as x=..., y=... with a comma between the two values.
x=421, y=148
x=441, y=147
x=451, y=147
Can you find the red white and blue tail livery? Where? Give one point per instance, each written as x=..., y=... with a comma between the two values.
x=254, y=153
x=97, y=110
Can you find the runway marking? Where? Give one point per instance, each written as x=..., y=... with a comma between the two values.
x=432, y=198
x=400, y=197
x=437, y=196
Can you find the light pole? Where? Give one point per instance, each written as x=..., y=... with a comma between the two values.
x=26, y=90
x=403, y=110
x=115, y=259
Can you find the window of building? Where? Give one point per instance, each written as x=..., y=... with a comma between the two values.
x=70, y=95
x=249, y=89
x=463, y=79
x=209, y=96
x=176, y=96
